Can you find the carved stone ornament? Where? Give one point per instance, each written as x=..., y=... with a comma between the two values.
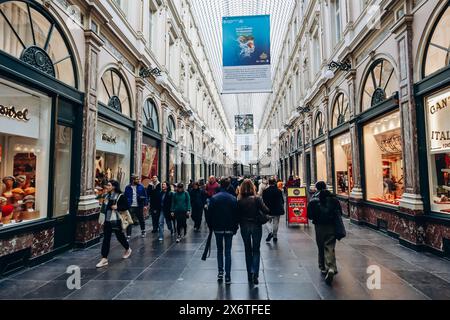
x=39, y=59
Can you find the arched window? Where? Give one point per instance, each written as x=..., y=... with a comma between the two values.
x=380, y=83
x=340, y=110
x=114, y=93
x=319, y=124
x=151, y=119
x=437, y=54
x=170, y=128
x=299, y=139
x=32, y=35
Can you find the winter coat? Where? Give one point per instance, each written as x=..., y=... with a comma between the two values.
x=263, y=186
x=273, y=199
x=323, y=208
x=141, y=195
x=249, y=208
x=222, y=212
x=198, y=198
x=181, y=202
x=212, y=189
x=153, y=193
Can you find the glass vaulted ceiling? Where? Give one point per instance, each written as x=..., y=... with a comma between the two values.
x=208, y=15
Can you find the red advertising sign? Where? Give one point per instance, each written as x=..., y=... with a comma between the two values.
x=297, y=203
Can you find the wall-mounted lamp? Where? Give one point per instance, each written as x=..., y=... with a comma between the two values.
x=304, y=109
x=147, y=72
x=343, y=66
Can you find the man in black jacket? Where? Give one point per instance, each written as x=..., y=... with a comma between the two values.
x=153, y=193
x=222, y=218
x=273, y=198
x=323, y=210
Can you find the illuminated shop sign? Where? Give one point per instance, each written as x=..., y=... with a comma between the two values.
x=438, y=113
x=12, y=113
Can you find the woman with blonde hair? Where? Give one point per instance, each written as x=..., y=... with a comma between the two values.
x=249, y=210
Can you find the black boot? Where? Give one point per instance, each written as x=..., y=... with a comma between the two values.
x=255, y=279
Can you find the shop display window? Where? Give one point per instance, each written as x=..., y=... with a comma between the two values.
x=171, y=164
x=438, y=137
x=63, y=167
x=112, y=160
x=321, y=162
x=150, y=160
x=24, y=155
x=383, y=156
x=343, y=169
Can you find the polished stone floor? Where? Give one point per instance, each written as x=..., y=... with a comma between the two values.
x=175, y=271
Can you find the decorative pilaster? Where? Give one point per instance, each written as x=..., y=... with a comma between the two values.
x=312, y=187
x=140, y=84
x=164, y=117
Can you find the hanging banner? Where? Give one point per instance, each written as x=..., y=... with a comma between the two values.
x=297, y=203
x=246, y=54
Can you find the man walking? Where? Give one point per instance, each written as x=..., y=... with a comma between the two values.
x=222, y=219
x=323, y=210
x=153, y=192
x=137, y=201
x=212, y=187
x=273, y=199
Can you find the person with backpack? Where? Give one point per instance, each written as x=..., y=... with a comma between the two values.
x=181, y=209
x=325, y=212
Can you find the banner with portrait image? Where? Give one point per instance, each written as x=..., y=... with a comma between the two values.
x=246, y=54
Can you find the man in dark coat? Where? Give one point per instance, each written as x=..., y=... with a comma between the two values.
x=273, y=199
x=222, y=219
x=153, y=193
x=198, y=200
x=323, y=210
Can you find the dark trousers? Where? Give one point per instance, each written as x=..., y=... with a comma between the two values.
x=107, y=232
x=155, y=219
x=180, y=217
x=220, y=239
x=197, y=215
x=139, y=214
x=326, y=243
x=251, y=235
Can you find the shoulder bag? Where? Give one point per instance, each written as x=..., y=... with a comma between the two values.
x=261, y=217
x=125, y=217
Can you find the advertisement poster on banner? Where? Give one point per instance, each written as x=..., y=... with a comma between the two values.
x=297, y=203
x=246, y=54
x=244, y=124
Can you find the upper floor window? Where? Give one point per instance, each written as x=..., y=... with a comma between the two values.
x=315, y=51
x=113, y=92
x=170, y=128
x=151, y=115
x=437, y=54
x=337, y=20
x=380, y=83
x=340, y=110
x=32, y=35
x=319, y=124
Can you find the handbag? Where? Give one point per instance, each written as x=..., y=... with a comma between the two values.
x=101, y=218
x=125, y=217
x=340, y=232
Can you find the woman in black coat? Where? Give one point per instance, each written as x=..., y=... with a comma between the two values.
x=273, y=199
x=163, y=207
x=115, y=202
x=198, y=201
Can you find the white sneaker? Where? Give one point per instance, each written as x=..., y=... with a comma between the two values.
x=127, y=254
x=178, y=240
x=102, y=263
x=160, y=239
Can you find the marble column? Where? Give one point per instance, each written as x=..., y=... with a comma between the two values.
x=164, y=117
x=325, y=101
x=140, y=85
x=312, y=187
x=303, y=163
x=87, y=227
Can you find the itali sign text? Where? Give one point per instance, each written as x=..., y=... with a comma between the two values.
x=12, y=113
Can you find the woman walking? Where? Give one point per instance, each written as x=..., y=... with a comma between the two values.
x=114, y=202
x=163, y=207
x=249, y=207
x=198, y=201
x=181, y=209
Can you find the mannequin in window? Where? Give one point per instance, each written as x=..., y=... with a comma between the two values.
x=7, y=191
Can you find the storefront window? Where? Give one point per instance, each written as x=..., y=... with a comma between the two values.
x=438, y=137
x=321, y=162
x=438, y=53
x=300, y=166
x=113, y=153
x=63, y=168
x=31, y=37
x=113, y=92
x=170, y=128
x=343, y=172
x=150, y=159
x=384, y=159
x=24, y=154
x=340, y=110
x=171, y=167
x=381, y=83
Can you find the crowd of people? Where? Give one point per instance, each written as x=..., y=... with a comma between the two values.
x=228, y=204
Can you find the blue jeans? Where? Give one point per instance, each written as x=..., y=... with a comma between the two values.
x=220, y=237
x=161, y=224
x=251, y=235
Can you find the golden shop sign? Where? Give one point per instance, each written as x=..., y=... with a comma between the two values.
x=12, y=113
x=438, y=116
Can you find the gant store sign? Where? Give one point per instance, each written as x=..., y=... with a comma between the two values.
x=16, y=113
x=438, y=116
